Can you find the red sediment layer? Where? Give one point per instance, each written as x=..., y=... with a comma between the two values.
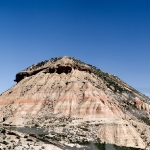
x=22, y=101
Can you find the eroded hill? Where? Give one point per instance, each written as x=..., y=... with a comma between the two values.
x=68, y=103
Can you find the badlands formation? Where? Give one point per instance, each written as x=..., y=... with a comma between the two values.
x=63, y=103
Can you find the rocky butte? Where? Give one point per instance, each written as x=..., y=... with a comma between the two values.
x=63, y=103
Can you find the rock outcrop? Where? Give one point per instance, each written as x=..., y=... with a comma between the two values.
x=65, y=93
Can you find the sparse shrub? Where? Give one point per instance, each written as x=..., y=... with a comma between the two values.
x=29, y=140
x=36, y=125
x=25, y=136
x=3, y=131
x=4, y=142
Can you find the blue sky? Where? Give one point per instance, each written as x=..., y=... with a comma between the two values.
x=113, y=35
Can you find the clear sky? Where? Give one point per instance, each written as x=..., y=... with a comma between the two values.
x=113, y=35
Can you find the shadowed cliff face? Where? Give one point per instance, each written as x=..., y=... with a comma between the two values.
x=65, y=65
x=58, y=69
x=66, y=87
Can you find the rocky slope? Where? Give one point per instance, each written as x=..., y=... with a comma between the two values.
x=63, y=103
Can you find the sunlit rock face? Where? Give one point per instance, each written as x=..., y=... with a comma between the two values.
x=66, y=87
